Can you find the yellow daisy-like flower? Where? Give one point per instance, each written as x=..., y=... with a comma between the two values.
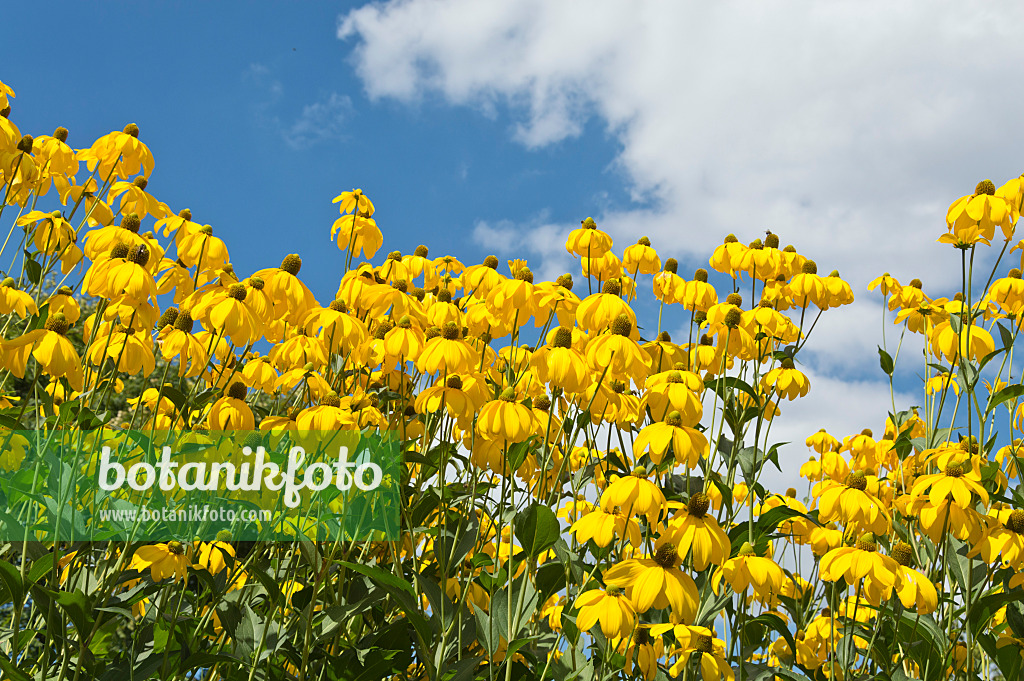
x=853, y=563
x=506, y=420
x=602, y=526
x=786, y=381
x=977, y=215
x=698, y=534
x=957, y=483
x=970, y=343
x=610, y=608
x=231, y=412
x=748, y=570
x=635, y=495
x=850, y=504
x=641, y=258
x=354, y=201
x=121, y=151
x=657, y=582
x=50, y=347
x=164, y=560
x=13, y=300
x=588, y=241
x=688, y=445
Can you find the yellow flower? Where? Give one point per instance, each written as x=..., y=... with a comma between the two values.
x=657, y=582
x=957, y=483
x=786, y=381
x=121, y=152
x=54, y=352
x=602, y=526
x=887, y=283
x=213, y=556
x=177, y=341
x=13, y=300
x=709, y=650
x=976, y=216
x=447, y=353
x=610, y=608
x=688, y=444
x=504, y=419
x=588, y=241
x=354, y=201
x=135, y=199
x=635, y=495
x=641, y=258
x=863, y=562
x=971, y=343
x=560, y=366
x=748, y=570
x=917, y=591
x=807, y=287
x=1003, y=540
x=850, y=504
x=230, y=412
x=618, y=354
x=699, y=534
x=728, y=257
x=5, y=92
x=163, y=560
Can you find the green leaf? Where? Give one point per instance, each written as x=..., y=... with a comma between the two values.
x=982, y=611
x=537, y=529
x=751, y=459
x=723, y=384
x=11, y=671
x=33, y=270
x=1010, y=392
x=489, y=628
x=380, y=576
x=1006, y=336
x=885, y=359
x=11, y=579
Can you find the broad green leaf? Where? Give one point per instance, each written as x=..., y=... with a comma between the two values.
x=537, y=529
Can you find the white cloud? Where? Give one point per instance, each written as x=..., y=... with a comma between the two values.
x=847, y=127
x=541, y=242
x=319, y=122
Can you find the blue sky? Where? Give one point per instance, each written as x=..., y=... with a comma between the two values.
x=846, y=127
x=257, y=120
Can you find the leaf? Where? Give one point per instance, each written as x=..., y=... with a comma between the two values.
x=450, y=549
x=33, y=269
x=537, y=529
x=722, y=384
x=885, y=359
x=490, y=630
x=1010, y=392
x=985, y=608
x=11, y=671
x=1005, y=335
x=464, y=668
x=11, y=579
x=751, y=459
x=378, y=575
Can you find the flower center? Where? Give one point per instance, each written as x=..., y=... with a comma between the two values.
x=698, y=505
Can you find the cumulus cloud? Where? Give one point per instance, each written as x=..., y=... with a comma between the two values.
x=541, y=241
x=319, y=122
x=846, y=127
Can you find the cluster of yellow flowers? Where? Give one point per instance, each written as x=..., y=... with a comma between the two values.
x=510, y=393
